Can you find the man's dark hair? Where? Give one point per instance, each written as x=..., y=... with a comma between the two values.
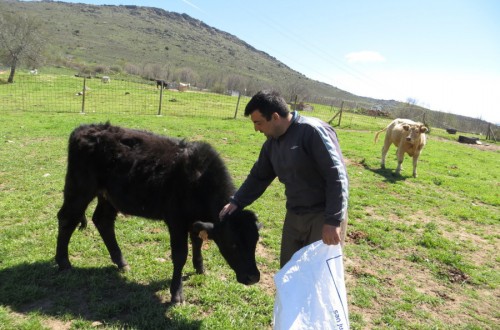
x=267, y=102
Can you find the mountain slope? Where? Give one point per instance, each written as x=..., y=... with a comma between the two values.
x=117, y=35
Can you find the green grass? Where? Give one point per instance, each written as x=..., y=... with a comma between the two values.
x=421, y=253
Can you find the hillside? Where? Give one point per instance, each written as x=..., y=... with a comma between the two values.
x=134, y=36
x=157, y=44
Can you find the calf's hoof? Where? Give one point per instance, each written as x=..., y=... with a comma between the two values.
x=62, y=270
x=175, y=300
x=63, y=265
x=124, y=268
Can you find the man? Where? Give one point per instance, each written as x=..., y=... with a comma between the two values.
x=304, y=154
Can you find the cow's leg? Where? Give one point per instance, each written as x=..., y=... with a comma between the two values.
x=179, y=248
x=401, y=157
x=197, y=242
x=71, y=214
x=104, y=219
x=415, y=160
x=385, y=149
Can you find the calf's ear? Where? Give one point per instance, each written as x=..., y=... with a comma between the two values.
x=204, y=230
x=423, y=129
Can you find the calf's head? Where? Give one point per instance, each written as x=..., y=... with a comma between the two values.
x=236, y=237
x=412, y=132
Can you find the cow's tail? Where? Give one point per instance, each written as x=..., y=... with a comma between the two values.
x=83, y=223
x=376, y=135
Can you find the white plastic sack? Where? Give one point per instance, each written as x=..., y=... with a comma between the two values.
x=310, y=290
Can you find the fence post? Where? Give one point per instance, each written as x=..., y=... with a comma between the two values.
x=237, y=105
x=341, y=110
x=337, y=114
x=161, y=99
x=83, y=94
x=490, y=135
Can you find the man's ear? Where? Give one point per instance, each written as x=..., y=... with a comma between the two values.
x=204, y=230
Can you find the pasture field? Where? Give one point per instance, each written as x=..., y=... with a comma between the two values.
x=420, y=253
x=56, y=91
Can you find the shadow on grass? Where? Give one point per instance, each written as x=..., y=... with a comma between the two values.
x=93, y=294
x=388, y=175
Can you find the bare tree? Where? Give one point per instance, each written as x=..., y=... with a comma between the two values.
x=20, y=41
x=187, y=75
x=296, y=89
x=411, y=101
x=234, y=82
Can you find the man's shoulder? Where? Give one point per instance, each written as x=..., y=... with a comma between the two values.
x=313, y=122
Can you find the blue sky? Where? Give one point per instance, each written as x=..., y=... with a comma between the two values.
x=445, y=54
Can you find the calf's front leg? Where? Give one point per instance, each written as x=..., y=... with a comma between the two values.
x=415, y=160
x=197, y=243
x=401, y=157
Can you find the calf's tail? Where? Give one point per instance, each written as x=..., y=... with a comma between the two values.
x=376, y=135
x=83, y=223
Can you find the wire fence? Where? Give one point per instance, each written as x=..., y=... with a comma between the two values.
x=128, y=95
x=60, y=93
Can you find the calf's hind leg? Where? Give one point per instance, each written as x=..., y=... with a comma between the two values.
x=385, y=149
x=104, y=219
x=69, y=216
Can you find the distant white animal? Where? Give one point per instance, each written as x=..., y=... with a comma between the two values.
x=183, y=87
x=105, y=79
x=87, y=90
x=408, y=136
x=33, y=72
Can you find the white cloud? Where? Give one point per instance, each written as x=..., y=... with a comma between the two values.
x=364, y=56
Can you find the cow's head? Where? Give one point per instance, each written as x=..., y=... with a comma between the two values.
x=413, y=132
x=236, y=236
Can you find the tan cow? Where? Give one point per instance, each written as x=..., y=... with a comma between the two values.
x=408, y=136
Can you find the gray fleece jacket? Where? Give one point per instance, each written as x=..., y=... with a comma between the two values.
x=307, y=159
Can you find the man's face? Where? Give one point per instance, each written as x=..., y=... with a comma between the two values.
x=261, y=124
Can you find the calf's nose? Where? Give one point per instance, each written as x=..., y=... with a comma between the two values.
x=249, y=279
x=252, y=279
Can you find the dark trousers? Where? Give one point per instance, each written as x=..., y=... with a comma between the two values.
x=300, y=230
